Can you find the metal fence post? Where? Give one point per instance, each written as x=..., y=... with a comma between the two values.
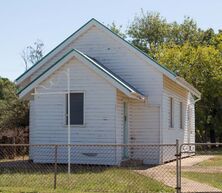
x=178, y=184
x=55, y=167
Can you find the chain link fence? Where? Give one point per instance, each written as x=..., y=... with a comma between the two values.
x=93, y=168
x=201, y=168
x=111, y=168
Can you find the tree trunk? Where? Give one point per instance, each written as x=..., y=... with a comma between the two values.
x=212, y=135
x=220, y=138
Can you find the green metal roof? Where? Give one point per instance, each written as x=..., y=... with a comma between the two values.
x=97, y=65
x=174, y=74
x=110, y=73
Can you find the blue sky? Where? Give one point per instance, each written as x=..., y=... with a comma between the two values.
x=23, y=22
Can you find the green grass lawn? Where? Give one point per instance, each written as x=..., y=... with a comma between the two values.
x=215, y=161
x=212, y=179
x=104, y=180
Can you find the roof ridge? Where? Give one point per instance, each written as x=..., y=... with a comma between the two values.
x=145, y=54
x=95, y=20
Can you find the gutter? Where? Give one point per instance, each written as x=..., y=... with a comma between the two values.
x=196, y=100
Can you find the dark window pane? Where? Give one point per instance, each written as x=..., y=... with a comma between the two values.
x=171, y=112
x=76, y=108
x=181, y=115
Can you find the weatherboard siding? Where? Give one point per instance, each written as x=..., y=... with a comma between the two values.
x=120, y=98
x=171, y=89
x=144, y=122
x=185, y=134
x=116, y=56
x=191, y=122
x=31, y=125
x=119, y=59
x=48, y=114
x=143, y=128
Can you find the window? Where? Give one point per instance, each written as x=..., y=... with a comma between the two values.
x=181, y=115
x=76, y=109
x=171, y=113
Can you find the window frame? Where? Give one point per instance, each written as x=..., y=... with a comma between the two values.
x=66, y=114
x=171, y=113
x=181, y=116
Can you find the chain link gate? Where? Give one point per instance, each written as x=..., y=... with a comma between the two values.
x=199, y=168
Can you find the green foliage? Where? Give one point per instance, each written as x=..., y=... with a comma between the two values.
x=148, y=31
x=13, y=112
x=202, y=67
x=117, y=30
x=185, y=32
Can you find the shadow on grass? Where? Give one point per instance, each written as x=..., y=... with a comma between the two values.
x=28, y=166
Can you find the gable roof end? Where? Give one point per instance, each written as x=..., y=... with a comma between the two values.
x=140, y=53
x=76, y=34
x=116, y=81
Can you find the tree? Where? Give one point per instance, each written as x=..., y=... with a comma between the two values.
x=117, y=30
x=201, y=66
x=194, y=54
x=148, y=31
x=187, y=31
x=13, y=112
x=208, y=37
x=217, y=41
x=32, y=54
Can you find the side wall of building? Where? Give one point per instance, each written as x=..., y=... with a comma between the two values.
x=185, y=134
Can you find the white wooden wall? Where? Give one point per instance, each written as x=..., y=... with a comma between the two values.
x=192, y=118
x=144, y=125
x=118, y=58
x=178, y=94
x=120, y=98
x=47, y=124
x=148, y=122
x=143, y=128
x=187, y=133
